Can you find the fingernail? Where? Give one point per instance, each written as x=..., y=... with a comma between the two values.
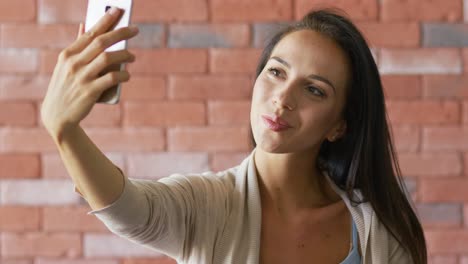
x=113, y=11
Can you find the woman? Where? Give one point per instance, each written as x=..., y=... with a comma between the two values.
x=343, y=127
x=322, y=184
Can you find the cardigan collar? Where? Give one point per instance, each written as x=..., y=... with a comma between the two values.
x=362, y=214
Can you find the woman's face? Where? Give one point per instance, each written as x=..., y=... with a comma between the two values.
x=304, y=83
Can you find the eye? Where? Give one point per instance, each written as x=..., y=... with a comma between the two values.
x=317, y=91
x=274, y=71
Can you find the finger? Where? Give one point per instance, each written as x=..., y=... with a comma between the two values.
x=108, y=80
x=80, y=28
x=104, y=41
x=104, y=60
x=107, y=21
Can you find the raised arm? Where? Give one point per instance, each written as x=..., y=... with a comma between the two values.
x=97, y=179
x=75, y=86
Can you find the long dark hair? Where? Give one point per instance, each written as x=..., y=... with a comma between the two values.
x=364, y=157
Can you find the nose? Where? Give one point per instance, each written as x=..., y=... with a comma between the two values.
x=284, y=97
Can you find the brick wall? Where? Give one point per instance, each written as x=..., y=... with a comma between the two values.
x=194, y=69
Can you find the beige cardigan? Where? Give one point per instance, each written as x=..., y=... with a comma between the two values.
x=215, y=218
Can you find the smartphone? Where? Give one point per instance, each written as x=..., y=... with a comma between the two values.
x=96, y=10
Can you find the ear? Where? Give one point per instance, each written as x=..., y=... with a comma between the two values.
x=338, y=132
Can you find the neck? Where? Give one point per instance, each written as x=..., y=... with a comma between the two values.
x=291, y=182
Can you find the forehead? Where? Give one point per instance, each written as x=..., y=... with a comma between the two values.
x=309, y=52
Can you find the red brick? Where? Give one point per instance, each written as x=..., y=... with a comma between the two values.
x=465, y=59
x=19, y=219
x=447, y=241
x=160, y=165
x=443, y=190
x=53, y=167
x=107, y=139
x=401, y=86
x=356, y=9
x=143, y=88
x=164, y=114
x=445, y=86
x=421, y=10
x=62, y=11
x=18, y=11
x=209, y=35
x=424, y=112
x=169, y=61
x=48, y=60
x=465, y=113
x=431, y=164
x=442, y=259
x=25, y=140
x=465, y=163
x=234, y=60
x=37, y=36
x=406, y=138
x=445, y=138
x=405, y=35
x=229, y=113
x=127, y=139
x=201, y=87
x=247, y=10
x=160, y=260
x=224, y=160
x=170, y=10
x=13, y=166
x=37, y=192
x=17, y=114
x=160, y=61
x=109, y=245
x=18, y=60
x=41, y=245
x=23, y=87
x=103, y=115
x=73, y=261
x=440, y=215
x=16, y=261
x=77, y=220
x=208, y=139
x=420, y=61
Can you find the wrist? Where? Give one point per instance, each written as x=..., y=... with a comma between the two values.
x=59, y=131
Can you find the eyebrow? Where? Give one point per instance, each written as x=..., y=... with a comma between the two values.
x=312, y=76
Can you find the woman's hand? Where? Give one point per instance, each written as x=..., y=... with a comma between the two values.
x=75, y=84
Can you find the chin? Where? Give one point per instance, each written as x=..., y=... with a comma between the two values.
x=273, y=147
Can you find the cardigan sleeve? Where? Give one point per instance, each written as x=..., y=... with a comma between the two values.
x=173, y=215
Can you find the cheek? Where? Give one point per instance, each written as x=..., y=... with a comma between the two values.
x=260, y=91
x=317, y=121
x=259, y=100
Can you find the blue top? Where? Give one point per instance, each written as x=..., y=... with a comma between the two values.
x=353, y=256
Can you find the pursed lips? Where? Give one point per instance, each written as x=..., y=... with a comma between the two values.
x=278, y=120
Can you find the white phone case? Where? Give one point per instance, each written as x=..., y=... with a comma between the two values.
x=96, y=10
